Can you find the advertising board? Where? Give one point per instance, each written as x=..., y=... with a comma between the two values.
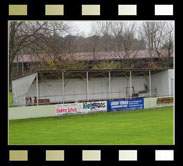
x=81, y=107
x=95, y=106
x=125, y=104
x=68, y=108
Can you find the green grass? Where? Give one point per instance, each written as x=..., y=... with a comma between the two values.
x=105, y=128
x=10, y=99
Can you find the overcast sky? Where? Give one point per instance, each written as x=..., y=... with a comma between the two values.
x=85, y=27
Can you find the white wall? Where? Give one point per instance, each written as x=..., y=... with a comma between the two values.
x=162, y=82
x=119, y=84
x=31, y=112
x=98, y=88
x=20, y=87
x=53, y=89
x=48, y=89
x=75, y=89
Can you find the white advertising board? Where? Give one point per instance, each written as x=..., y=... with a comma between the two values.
x=68, y=108
x=95, y=106
x=81, y=107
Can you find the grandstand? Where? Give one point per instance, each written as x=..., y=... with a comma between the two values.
x=53, y=86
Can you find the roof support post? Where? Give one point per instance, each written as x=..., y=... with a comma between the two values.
x=63, y=87
x=37, y=89
x=150, y=89
x=130, y=84
x=87, y=89
x=109, y=88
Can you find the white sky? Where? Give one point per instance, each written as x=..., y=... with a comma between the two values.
x=84, y=28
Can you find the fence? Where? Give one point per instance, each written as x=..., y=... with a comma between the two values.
x=87, y=107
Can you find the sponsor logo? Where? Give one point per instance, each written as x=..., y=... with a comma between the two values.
x=64, y=110
x=165, y=100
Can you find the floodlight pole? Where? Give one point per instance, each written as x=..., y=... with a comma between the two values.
x=150, y=91
x=37, y=89
x=87, y=85
x=130, y=84
x=63, y=87
x=109, y=88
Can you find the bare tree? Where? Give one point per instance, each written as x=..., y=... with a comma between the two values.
x=159, y=38
x=21, y=35
x=125, y=40
x=158, y=35
x=149, y=32
x=32, y=36
x=168, y=44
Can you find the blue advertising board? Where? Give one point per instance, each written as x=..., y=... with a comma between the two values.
x=125, y=104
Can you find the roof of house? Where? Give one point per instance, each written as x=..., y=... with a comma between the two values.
x=89, y=56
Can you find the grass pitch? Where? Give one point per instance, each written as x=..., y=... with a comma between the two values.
x=10, y=99
x=152, y=126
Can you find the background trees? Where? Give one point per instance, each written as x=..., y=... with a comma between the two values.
x=34, y=38
x=56, y=43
